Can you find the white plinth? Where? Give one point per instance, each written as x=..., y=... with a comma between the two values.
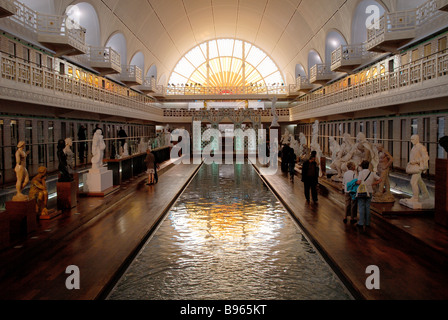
x=99, y=180
x=418, y=205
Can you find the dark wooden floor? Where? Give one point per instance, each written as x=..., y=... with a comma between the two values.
x=407, y=271
x=99, y=246
x=100, y=234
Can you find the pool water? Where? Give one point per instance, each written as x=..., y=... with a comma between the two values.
x=228, y=238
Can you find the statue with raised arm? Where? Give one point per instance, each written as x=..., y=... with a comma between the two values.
x=21, y=172
x=418, y=164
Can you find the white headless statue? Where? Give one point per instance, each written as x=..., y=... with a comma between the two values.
x=125, y=150
x=98, y=147
x=70, y=155
x=418, y=164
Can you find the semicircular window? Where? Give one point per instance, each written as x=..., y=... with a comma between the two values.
x=226, y=64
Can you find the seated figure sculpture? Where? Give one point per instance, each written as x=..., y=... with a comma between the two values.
x=39, y=192
x=340, y=162
x=418, y=164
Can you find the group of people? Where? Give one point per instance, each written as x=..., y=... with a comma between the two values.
x=355, y=200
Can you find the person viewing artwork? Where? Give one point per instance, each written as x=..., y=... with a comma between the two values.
x=369, y=179
x=310, y=177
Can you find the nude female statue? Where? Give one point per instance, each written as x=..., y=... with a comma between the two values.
x=21, y=172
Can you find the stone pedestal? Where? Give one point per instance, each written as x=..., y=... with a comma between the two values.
x=67, y=195
x=98, y=181
x=4, y=230
x=441, y=192
x=22, y=216
x=427, y=204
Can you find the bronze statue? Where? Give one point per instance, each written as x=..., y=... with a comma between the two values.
x=39, y=192
x=21, y=172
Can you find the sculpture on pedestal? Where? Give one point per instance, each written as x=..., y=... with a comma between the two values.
x=64, y=175
x=286, y=137
x=98, y=147
x=363, y=150
x=21, y=172
x=39, y=192
x=342, y=157
x=303, y=148
x=418, y=163
x=383, y=194
x=70, y=155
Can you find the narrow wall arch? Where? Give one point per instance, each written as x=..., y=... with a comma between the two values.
x=313, y=59
x=41, y=6
x=333, y=41
x=300, y=71
x=152, y=72
x=138, y=59
x=363, y=16
x=118, y=43
x=86, y=16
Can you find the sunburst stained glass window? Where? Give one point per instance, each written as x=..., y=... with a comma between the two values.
x=226, y=63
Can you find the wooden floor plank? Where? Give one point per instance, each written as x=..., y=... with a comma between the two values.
x=403, y=274
x=101, y=248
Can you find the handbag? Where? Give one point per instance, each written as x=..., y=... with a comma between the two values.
x=362, y=191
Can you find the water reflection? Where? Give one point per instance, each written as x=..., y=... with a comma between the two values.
x=228, y=237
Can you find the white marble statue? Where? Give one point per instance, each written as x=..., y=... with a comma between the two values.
x=295, y=145
x=363, y=150
x=274, y=113
x=286, y=137
x=335, y=148
x=70, y=155
x=125, y=150
x=98, y=147
x=303, y=149
x=418, y=164
x=142, y=146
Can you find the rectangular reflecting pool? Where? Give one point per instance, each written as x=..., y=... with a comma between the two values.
x=228, y=237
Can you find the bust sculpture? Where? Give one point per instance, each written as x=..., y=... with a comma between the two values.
x=64, y=175
x=418, y=163
x=98, y=147
x=39, y=192
x=21, y=172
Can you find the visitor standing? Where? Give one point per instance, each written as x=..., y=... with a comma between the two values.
x=292, y=159
x=310, y=177
x=122, y=134
x=351, y=204
x=150, y=165
x=369, y=179
x=82, y=136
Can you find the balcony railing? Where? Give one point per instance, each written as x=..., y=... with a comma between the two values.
x=431, y=67
x=185, y=90
x=29, y=74
x=61, y=34
x=7, y=8
x=346, y=58
x=321, y=74
x=392, y=31
x=442, y=5
x=131, y=75
x=105, y=60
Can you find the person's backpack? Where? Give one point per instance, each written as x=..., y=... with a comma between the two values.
x=362, y=191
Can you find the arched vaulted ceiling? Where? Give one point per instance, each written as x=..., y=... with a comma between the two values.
x=165, y=30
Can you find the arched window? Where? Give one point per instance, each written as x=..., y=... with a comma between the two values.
x=85, y=15
x=226, y=63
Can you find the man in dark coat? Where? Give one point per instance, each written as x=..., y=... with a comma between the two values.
x=310, y=177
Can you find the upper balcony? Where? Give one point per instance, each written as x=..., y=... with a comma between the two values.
x=148, y=86
x=131, y=75
x=61, y=34
x=442, y=5
x=392, y=31
x=321, y=74
x=105, y=60
x=301, y=86
x=347, y=58
x=7, y=8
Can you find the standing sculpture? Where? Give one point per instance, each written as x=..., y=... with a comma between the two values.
x=286, y=137
x=70, y=155
x=64, y=175
x=21, y=172
x=98, y=147
x=383, y=194
x=418, y=164
x=39, y=192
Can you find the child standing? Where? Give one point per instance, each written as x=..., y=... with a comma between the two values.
x=150, y=162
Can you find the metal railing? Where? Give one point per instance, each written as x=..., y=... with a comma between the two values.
x=431, y=67
x=246, y=90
